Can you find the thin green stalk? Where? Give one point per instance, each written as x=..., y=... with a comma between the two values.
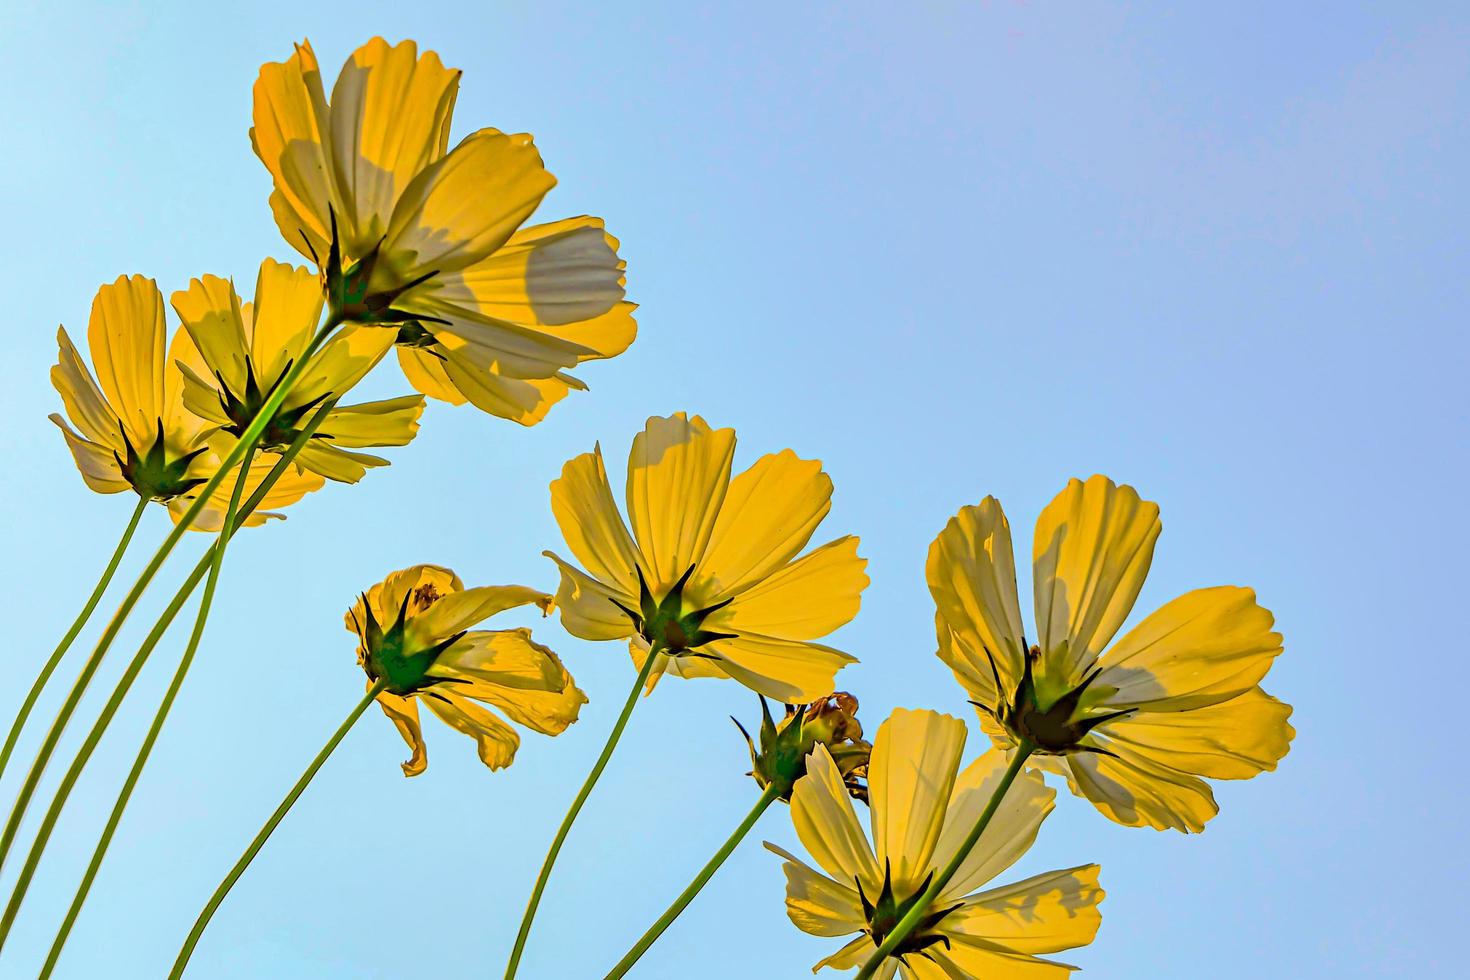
x=79, y=687
x=576, y=808
x=265, y=832
x=89, y=745
x=700, y=880
x=922, y=907
x=125, y=794
x=71, y=634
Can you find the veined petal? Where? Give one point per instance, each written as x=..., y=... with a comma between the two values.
x=678, y=472
x=968, y=960
x=466, y=205
x=287, y=307
x=815, y=903
x=404, y=714
x=390, y=422
x=518, y=400
x=390, y=117
x=293, y=484
x=1091, y=553
x=425, y=371
x=791, y=671
x=497, y=742
x=585, y=511
x=1206, y=646
x=971, y=572
x=910, y=777
x=1046, y=913
x=84, y=403
x=337, y=464
x=387, y=597
x=686, y=667
x=485, y=344
x=211, y=312
x=855, y=954
x=586, y=605
x=767, y=518
x=458, y=611
x=1133, y=790
x=97, y=464
x=341, y=364
x=1234, y=739
x=1010, y=833
x=807, y=599
x=126, y=336
x=519, y=676
x=289, y=135
x=822, y=813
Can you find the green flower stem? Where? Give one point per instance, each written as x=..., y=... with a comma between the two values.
x=570, y=818
x=700, y=880
x=265, y=832
x=125, y=794
x=71, y=635
x=89, y=745
x=922, y=907
x=79, y=687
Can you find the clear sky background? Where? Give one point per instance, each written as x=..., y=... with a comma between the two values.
x=950, y=249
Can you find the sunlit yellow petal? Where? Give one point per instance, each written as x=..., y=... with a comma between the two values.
x=815, y=903
x=287, y=308
x=496, y=741
x=1234, y=739
x=289, y=136
x=1135, y=791
x=585, y=511
x=822, y=813
x=586, y=605
x=788, y=670
x=519, y=676
x=390, y=422
x=1010, y=833
x=212, y=314
x=767, y=518
x=971, y=961
x=1046, y=913
x=458, y=611
x=1092, y=550
x=678, y=472
x=340, y=465
x=126, y=337
x=341, y=364
x=910, y=777
x=425, y=371
x=971, y=572
x=807, y=599
x=404, y=714
x=84, y=402
x=97, y=464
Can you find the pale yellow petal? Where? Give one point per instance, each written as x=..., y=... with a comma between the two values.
x=390, y=422
x=458, y=611
x=84, y=403
x=678, y=472
x=212, y=314
x=971, y=572
x=341, y=364
x=1091, y=553
x=854, y=954
x=525, y=402
x=1234, y=739
x=788, y=670
x=586, y=605
x=289, y=136
x=97, y=464
x=910, y=777
x=822, y=813
x=496, y=741
x=340, y=465
x=390, y=596
x=424, y=370
x=807, y=599
x=285, y=314
x=1046, y=913
x=519, y=676
x=974, y=961
x=585, y=511
x=767, y=518
x=126, y=337
x=1135, y=791
x=815, y=903
x=1011, y=831
x=404, y=714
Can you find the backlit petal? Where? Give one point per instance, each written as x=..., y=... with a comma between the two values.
x=678, y=472
x=404, y=714
x=1011, y=831
x=815, y=903
x=586, y=605
x=767, y=518
x=585, y=511
x=807, y=599
x=519, y=676
x=289, y=136
x=822, y=813
x=971, y=572
x=458, y=611
x=1046, y=913
x=787, y=670
x=1234, y=739
x=496, y=741
x=126, y=337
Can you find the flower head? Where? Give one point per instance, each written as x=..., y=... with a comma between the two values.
x=1133, y=726
x=133, y=430
x=710, y=574
x=247, y=347
x=414, y=637
x=785, y=745
x=428, y=240
x=922, y=809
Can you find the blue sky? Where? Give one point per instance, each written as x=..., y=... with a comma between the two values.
x=963, y=249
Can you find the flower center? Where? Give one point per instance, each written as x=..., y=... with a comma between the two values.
x=664, y=623
x=888, y=911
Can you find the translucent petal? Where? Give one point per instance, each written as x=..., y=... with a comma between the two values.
x=910, y=777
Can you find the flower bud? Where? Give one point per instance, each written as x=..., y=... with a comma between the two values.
x=784, y=745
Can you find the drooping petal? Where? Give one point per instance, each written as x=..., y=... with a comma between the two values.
x=587, y=607
x=1234, y=739
x=815, y=903
x=788, y=670
x=390, y=422
x=466, y=205
x=686, y=667
x=126, y=337
x=1010, y=833
x=911, y=775
x=390, y=116
x=496, y=741
x=1091, y=553
x=585, y=511
x=822, y=813
x=1046, y=913
x=1132, y=789
x=767, y=518
x=337, y=464
x=404, y=714
x=97, y=464
x=524, y=402
x=290, y=119
x=678, y=472
x=855, y=954
x=293, y=484
x=84, y=403
x=1204, y=647
x=807, y=599
x=424, y=369
x=287, y=308
x=519, y=676
x=971, y=572
x=458, y=611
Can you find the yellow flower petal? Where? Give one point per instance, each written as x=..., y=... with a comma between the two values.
x=1043, y=914
x=910, y=777
x=1010, y=833
x=586, y=606
x=458, y=611
x=519, y=676
x=496, y=741
x=466, y=205
x=1092, y=550
x=84, y=402
x=685, y=667
x=341, y=364
x=971, y=572
x=338, y=464
x=966, y=961
x=212, y=314
x=390, y=115
x=126, y=337
x=1135, y=791
x=767, y=518
x=822, y=813
x=1235, y=739
x=678, y=472
x=815, y=903
x=585, y=511
x=854, y=955
x=1206, y=646
x=284, y=317
x=787, y=670
x=97, y=464
x=425, y=371
x=390, y=422
x=290, y=123
x=388, y=596
x=807, y=599
x=404, y=714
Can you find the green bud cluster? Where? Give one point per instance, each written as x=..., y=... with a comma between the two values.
x=665, y=624
x=784, y=745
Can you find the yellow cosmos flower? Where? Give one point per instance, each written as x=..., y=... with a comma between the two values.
x=710, y=573
x=133, y=430
x=1132, y=727
x=412, y=633
x=486, y=311
x=922, y=808
x=245, y=348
